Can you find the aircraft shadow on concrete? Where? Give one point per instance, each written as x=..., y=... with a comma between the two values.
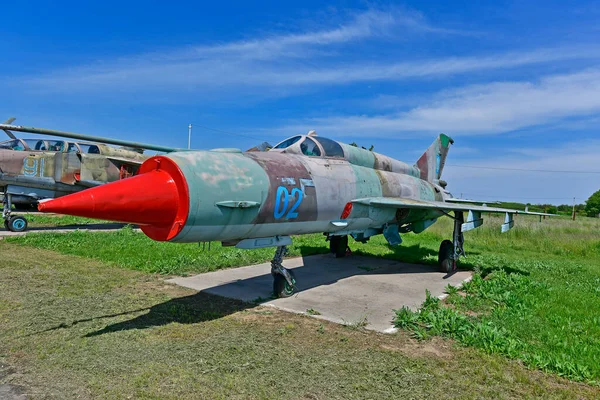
x=322, y=270
x=217, y=302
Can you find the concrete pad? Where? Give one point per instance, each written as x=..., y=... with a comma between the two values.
x=343, y=290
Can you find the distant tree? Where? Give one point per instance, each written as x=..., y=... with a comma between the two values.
x=592, y=205
x=593, y=212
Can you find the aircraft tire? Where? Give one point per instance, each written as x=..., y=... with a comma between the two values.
x=333, y=242
x=6, y=224
x=16, y=223
x=338, y=245
x=281, y=287
x=445, y=254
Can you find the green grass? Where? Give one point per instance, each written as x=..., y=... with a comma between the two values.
x=77, y=328
x=535, y=295
x=49, y=220
x=131, y=249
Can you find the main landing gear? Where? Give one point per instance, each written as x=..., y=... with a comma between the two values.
x=338, y=245
x=13, y=223
x=451, y=251
x=284, y=280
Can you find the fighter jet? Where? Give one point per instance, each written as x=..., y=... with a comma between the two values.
x=305, y=184
x=34, y=169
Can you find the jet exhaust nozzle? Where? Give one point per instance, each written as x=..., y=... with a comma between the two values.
x=157, y=199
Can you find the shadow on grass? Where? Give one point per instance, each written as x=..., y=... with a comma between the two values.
x=65, y=325
x=191, y=309
x=199, y=307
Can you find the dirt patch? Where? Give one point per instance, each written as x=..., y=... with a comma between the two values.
x=436, y=347
x=9, y=391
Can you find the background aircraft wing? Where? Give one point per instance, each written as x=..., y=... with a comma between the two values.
x=9, y=133
x=78, y=136
x=396, y=202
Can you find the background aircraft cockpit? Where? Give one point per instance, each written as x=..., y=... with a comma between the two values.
x=310, y=145
x=49, y=145
x=14, y=144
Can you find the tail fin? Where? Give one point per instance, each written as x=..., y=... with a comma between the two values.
x=431, y=163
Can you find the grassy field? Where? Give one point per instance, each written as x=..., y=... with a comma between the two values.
x=38, y=220
x=532, y=306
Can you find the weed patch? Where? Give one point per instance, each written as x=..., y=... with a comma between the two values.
x=506, y=299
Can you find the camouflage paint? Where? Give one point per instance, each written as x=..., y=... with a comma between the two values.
x=293, y=193
x=216, y=177
x=229, y=196
x=54, y=174
x=432, y=161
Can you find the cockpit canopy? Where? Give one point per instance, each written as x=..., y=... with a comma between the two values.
x=310, y=145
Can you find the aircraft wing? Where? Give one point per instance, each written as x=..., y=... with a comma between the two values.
x=472, y=221
x=455, y=200
x=396, y=202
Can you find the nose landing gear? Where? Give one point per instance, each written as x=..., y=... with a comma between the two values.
x=13, y=223
x=16, y=223
x=284, y=280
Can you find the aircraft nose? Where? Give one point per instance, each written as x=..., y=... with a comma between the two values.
x=157, y=199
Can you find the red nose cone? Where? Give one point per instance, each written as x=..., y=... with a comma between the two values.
x=157, y=199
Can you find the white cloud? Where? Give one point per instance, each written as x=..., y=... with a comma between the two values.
x=477, y=110
x=268, y=60
x=238, y=75
x=282, y=63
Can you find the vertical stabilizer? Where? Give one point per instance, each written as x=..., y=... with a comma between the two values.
x=431, y=163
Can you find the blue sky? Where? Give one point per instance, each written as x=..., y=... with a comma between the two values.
x=516, y=84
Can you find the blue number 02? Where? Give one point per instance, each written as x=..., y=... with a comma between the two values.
x=282, y=201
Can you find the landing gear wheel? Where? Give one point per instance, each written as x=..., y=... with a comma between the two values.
x=338, y=245
x=446, y=257
x=281, y=287
x=6, y=224
x=16, y=223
